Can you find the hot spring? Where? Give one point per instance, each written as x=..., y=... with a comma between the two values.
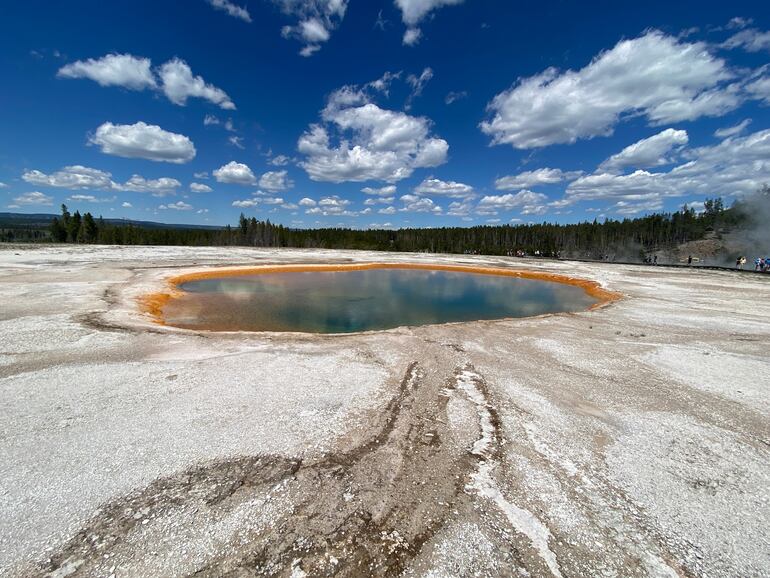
x=364, y=298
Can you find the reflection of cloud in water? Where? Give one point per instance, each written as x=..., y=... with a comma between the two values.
x=344, y=301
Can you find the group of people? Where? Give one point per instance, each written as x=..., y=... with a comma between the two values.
x=760, y=263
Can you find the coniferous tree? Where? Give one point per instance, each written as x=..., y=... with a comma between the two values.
x=73, y=227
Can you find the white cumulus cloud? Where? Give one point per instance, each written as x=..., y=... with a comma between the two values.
x=656, y=76
x=274, y=181
x=71, y=177
x=91, y=199
x=648, y=152
x=379, y=201
x=531, y=179
x=235, y=173
x=386, y=190
x=174, y=78
x=34, y=198
x=433, y=186
x=179, y=84
x=178, y=206
x=143, y=141
x=246, y=203
x=417, y=204
x=80, y=177
x=374, y=143
x=123, y=70
x=736, y=166
x=316, y=20
x=529, y=203
x=200, y=188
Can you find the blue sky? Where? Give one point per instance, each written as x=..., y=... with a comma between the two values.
x=370, y=114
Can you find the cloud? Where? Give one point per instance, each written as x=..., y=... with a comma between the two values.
x=418, y=84
x=143, y=141
x=760, y=89
x=734, y=130
x=236, y=141
x=432, y=186
x=655, y=76
x=629, y=208
x=213, y=120
x=179, y=84
x=71, y=177
x=453, y=97
x=416, y=204
x=123, y=70
x=235, y=173
x=531, y=179
x=157, y=187
x=750, y=40
x=333, y=201
x=307, y=202
x=33, y=198
x=414, y=11
x=178, y=206
x=201, y=175
x=739, y=22
x=91, y=199
x=459, y=209
x=379, y=201
x=648, y=152
x=279, y=161
x=412, y=36
x=174, y=78
x=3, y=186
x=331, y=205
x=529, y=203
x=126, y=205
x=246, y=203
x=231, y=9
x=316, y=20
x=386, y=190
x=387, y=211
x=374, y=143
x=200, y=188
x=736, y=166
x=275, y=181
x=80, y=177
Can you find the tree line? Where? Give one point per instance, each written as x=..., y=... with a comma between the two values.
x=626, y=238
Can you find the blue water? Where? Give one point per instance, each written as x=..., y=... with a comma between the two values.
x=375, y=299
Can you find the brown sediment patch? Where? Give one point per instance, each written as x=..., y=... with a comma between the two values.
x=154, y=303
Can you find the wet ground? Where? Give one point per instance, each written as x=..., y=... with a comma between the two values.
x=632, y=440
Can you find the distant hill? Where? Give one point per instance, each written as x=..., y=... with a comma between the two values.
x=43, y=220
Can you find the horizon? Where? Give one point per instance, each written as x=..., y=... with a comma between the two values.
x=550, y=113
